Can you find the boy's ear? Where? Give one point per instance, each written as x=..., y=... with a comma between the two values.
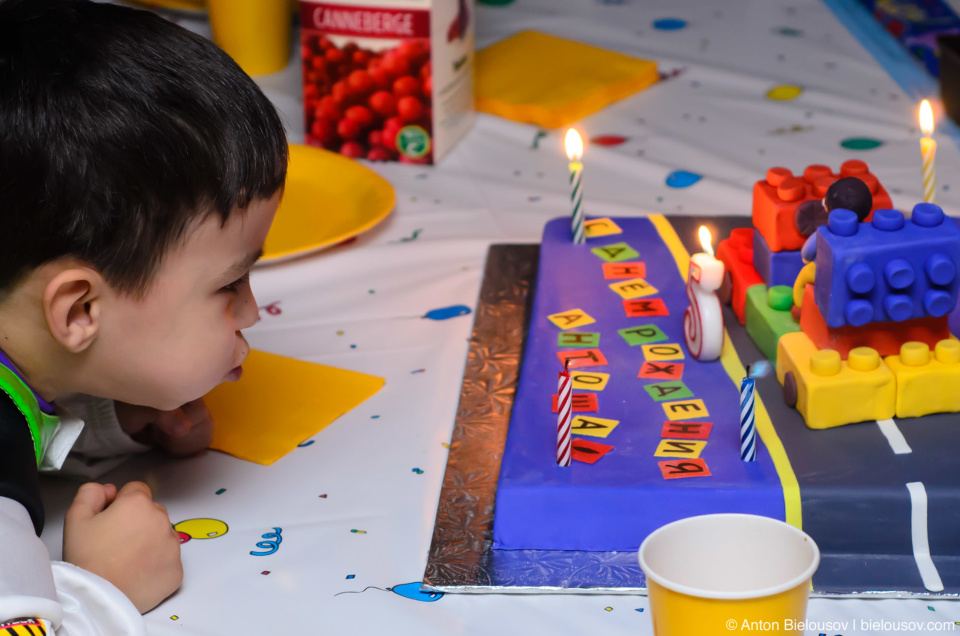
x=72, y=303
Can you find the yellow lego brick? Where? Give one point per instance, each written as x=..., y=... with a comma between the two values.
x=927, y=381
x=831, y=392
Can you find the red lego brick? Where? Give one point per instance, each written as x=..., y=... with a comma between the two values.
x=736, y=253
x=776, y=198
x=885, y=337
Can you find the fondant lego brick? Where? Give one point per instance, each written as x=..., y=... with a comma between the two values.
x=927, y=381
x=736, y=252
x=888, y=269
x=775, y=199
x=769, y=317
x=775, y=268
x=830, y=392
x=885, y=337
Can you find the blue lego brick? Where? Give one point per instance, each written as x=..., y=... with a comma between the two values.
x=889, y=269
x=775, y=268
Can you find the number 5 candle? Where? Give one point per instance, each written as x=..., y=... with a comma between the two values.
x=703, y=319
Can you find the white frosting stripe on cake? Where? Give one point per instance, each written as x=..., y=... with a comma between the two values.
x=896, y=439
x=921, y=544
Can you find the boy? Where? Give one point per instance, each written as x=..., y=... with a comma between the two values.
x=140, y=171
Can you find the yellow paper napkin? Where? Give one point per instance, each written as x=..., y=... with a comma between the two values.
x=541, y=79
x=279, y=402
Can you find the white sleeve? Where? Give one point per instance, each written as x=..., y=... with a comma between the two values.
x=102, y=445
x=71, y=600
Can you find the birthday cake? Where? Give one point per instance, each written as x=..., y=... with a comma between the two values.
x=656, y=431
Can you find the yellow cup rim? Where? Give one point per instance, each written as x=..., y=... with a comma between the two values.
x=800, y=579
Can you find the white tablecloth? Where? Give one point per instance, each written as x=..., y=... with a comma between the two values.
x=378, y=469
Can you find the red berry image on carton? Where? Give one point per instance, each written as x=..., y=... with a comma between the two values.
x=387, y=80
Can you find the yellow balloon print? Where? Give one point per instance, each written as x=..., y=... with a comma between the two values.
x=784, y=92
x=202, y=528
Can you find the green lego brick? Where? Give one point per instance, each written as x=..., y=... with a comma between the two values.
x=764, y=323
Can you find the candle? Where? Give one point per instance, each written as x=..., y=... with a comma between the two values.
x=574, y=147
x=748, y=429
x=564, y=415
x=928, y=150
x=703, y=319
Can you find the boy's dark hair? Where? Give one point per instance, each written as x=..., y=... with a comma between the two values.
x=118, y=129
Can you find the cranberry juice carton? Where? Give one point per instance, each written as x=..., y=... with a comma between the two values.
x=387, y=80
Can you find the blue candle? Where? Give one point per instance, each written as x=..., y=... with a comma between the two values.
x=748, y=429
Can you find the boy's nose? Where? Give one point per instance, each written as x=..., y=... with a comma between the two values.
x=248, y=314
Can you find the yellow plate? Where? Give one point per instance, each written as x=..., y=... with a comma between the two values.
x=328, y=199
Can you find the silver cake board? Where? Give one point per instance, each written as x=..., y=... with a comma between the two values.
x=461, y=557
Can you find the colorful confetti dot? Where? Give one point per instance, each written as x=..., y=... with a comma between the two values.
x=323, y=496
x=533, y=199
x=418, y=471
x=417, y=371
x=784, y=92
x=354, y=531
x=608, y=608
x=445, y=313
x=265, y=572
x=860, y=143
x=445, y=445
x=790, y=33
x=174, y=618
x=608, y=140
x=374, y=417
x=372, y=291
x=221, y=491
x=340, y=332
x=305, y=444
x=669, y=24
x=353, y=346
x=639, y=609
x=351, y=576
x=682, y=179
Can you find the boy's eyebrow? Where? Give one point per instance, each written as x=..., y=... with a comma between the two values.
x=242, y=266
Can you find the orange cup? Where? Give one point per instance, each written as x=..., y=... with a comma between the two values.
x=255, y=33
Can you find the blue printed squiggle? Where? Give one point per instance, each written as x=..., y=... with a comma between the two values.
x=270, y=546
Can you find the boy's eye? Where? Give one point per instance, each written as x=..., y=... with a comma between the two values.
x=237, y=284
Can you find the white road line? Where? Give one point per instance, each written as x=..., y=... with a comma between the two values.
x=921, y=544
x=894, y=437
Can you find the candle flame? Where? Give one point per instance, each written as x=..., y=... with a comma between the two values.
x=705, y=240
x=573, y=145
x=926, y=118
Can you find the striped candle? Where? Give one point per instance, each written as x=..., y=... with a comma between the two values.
x=928, y=151
x=564, y=415
x=748, y=429
x=576, y=200
x=574, y=147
